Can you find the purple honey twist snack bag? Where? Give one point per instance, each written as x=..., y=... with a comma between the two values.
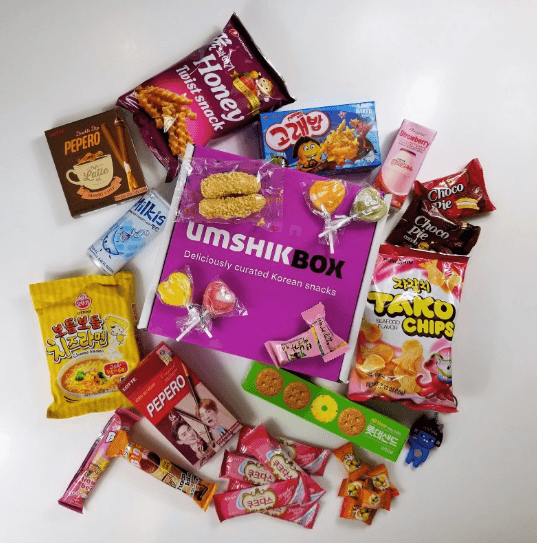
x=215, y=90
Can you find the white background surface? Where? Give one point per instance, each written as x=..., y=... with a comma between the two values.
x=464, y=68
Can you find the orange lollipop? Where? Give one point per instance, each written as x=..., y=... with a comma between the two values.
x=327, y=195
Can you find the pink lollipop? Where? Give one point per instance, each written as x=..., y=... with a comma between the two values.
x=218, y=299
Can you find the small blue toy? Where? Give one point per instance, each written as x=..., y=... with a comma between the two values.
x=425, y=434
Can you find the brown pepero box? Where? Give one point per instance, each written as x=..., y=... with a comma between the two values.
x=96, y=162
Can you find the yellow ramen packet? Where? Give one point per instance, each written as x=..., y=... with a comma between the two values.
x=88, y=327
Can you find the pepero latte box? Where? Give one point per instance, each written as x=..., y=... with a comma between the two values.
x=335, y=413
x=96, y=162
x=275, y=274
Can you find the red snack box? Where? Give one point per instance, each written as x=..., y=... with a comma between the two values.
x=184, y=410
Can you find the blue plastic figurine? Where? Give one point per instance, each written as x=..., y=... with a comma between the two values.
x=425, y=434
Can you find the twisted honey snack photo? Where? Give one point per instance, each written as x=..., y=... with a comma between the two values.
x=170, y=112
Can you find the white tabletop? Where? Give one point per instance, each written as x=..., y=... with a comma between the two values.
x=465, y=69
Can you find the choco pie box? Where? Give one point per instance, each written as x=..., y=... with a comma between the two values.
x=327, y=140
x=275, y=274
x=183, y=409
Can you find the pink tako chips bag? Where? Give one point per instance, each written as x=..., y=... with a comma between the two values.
x=404, y=345
x=217, y=89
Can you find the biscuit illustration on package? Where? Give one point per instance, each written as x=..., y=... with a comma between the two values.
x=351, y=421
x=269, y=382
x=296, y=395
x=330, y=411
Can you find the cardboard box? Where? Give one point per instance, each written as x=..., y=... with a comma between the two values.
x=184, y=410
x=88, y=155
x=275, y=288
x=307, y=139
x=380, y=434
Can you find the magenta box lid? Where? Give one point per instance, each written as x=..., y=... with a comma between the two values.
x=275, y=299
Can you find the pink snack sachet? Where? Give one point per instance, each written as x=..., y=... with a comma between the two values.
x=311, y=459
x=259, y=444
x=245, y=469
x=97, y=460
x=318, y=340
x=258, y=498
x=245, y=472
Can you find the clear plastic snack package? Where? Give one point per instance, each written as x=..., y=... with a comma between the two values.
x=218, y=301
x=230, y=192
x=325, y=197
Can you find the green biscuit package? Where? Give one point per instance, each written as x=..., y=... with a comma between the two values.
x=333, y=412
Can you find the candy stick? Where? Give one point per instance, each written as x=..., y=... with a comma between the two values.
x=333, y=226
x=192, y=325
x=197, y=319
x=188, y=415
x=122, y=140
x=115, y=149
x=197, y=401
x=328, y=222
x=368, y=206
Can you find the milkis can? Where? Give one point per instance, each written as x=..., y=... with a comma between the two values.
x=130, y=234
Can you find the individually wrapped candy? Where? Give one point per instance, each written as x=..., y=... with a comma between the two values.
x=178, y=290
x=317, y=340
x=323, y=198
x=218, y=301
x=229, y=192
x=261, y=445
x=311, y=459
x=368, y=206
x=259, y=498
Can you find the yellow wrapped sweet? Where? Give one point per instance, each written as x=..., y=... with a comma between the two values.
x=88, y=328
x=176, y=290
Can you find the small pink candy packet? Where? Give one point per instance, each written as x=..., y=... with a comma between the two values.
x=317, y=340
x=259, y=444
x=257, y=499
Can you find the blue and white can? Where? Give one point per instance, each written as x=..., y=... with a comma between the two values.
x=131, y=233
